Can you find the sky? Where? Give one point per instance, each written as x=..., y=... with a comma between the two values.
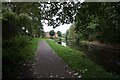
x=61, y=28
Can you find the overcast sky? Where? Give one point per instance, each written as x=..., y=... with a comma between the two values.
x=61, y=28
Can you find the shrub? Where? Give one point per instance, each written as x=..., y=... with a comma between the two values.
x=12, y=49
x=16, y=52
x=9, y=24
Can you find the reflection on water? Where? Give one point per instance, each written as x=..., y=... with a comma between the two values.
x=108, y=58
x=63, y=43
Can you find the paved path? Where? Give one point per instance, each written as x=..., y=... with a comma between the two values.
x=48, y=64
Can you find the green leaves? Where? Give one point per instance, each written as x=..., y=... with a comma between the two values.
x=52, y=32
x=65, y=11
x=99, y=22
x=59, y=33
x=9, y=16
x=25, y=15
x=24, y=20
x=9, y=24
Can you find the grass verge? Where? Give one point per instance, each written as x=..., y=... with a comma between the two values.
x=79, y=62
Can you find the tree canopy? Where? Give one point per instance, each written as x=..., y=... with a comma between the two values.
x=93, y=24
x=56, y=13
x=52, y=32
x=51, y=13
x=59, y=33
x=100, y=23
x=26, y=15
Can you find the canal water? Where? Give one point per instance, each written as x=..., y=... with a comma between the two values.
x=109, y=59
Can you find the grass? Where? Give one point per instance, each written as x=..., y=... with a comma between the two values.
x=14, y=57
x=30, y=50
x=79, y=62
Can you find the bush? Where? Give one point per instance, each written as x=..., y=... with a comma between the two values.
x=9, y=25
x=16, y=52
x=21, y=41
x=12, y=49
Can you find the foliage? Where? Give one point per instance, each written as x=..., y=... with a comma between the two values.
x=100, y=23
x=78, y=61
x=72, y=35
x=57, y=13
x=15, y=53
x=59, y=40
x=52, y=33
x=91, y=24
x=32, y=9
x=59, y=33
x=28, y=16
x=24, y=20
x=9, y=24
x=17, y=46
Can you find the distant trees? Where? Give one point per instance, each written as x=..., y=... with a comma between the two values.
x=52, y=33
x=59, y=33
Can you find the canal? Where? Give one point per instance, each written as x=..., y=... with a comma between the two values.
x=109, y=59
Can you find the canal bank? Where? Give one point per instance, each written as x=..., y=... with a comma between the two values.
x=77, y=61
x=107, y=57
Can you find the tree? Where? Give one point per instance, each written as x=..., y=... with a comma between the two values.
x=93, y=24
x=57, y=13
x=98, y=23
x=26, y=22
x=59, y=33
x=28, y=14
x=9, y=25
x=71, y=35
x=52, y=33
